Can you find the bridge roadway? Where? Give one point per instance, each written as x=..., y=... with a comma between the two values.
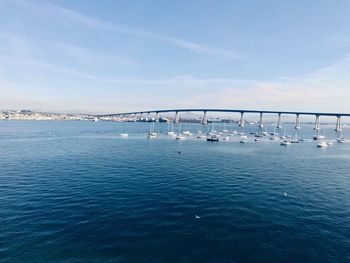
x=242, y=112
x=229, y=110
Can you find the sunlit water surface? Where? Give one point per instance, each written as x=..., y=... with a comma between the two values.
x=77, y=192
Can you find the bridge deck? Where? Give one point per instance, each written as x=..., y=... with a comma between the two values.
x=230, y=110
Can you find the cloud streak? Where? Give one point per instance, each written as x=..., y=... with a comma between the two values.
x=307, y=92
x=38, y=72
x=50, y=9
x=188, y=91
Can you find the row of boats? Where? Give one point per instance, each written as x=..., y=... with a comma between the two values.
x=214, y=136
x=224, y=135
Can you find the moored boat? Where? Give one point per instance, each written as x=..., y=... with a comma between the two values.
x=286, y=143
x=152, y=135
x=322, y=145
x=212, y=138
x=180, y=137
x=244, y=139
x=187, y=133
x=341, y=140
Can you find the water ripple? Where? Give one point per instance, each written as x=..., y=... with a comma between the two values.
x=76, y=192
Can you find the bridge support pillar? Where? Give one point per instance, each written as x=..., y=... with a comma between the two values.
x=205, y=119
x=157, y=117
x=279, y=121
x=317, y=123
x=241, y=121
x=297, y=122
x=177, y=119
x=261, y=125
x=338, y=126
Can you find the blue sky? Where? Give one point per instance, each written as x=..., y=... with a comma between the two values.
x=110, y=56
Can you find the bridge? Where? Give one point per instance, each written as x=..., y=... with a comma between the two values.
x=242, y=112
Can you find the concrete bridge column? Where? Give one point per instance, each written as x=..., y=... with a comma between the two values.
x=157, y=116
x=205, y=119
x=297, y=122
x=241, y=121
x=317, y=123
x=338, y=126
x=261, y=125
x=177, y=119
x=279, y=121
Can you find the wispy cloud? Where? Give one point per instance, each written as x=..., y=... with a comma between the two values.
x=31, y=63
x=26, y=46
x=89, y=55
x=59, y=12
x=30, y=77
x=311, y=91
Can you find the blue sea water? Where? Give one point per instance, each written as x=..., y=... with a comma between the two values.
x=77, y=192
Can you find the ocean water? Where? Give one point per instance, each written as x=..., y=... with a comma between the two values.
x=77, y=192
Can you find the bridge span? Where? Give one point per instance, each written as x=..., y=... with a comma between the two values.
x=242, y=112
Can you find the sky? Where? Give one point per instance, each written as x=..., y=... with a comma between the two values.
x=119, y=55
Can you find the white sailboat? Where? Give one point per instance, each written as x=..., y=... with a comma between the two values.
x=340, y=138
x=244, y=139
x=224, y=130
x=318, y=136
x=187, y=133
x=284, y=136
x=212, y=138
x=170, y=131
x=179, y=136
x=322, y=144
x=286, y=143
x=200, y=134
x=226, y=138
x=123, y=134
x=152, y=134
x=296, y=138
